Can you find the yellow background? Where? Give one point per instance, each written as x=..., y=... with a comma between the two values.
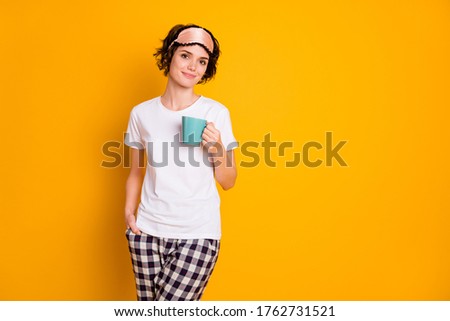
x=374, y=73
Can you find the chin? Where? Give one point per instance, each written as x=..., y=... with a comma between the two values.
x=188, y=83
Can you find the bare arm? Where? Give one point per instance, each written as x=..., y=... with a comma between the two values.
x=225, y=169
x=224, y=163
x=133, y=189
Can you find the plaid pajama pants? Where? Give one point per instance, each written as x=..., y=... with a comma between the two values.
x=168, y=269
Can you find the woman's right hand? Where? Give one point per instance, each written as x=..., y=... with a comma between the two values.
x=130, y=220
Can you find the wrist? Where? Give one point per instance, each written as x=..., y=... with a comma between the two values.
x=217, y=150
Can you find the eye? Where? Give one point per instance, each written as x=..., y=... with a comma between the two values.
x=203, y=62
x=183, y=55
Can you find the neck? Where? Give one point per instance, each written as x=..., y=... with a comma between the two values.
x=178, y=98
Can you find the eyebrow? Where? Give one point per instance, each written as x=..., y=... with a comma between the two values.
x=191, y=54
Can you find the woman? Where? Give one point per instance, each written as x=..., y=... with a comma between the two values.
x=174, y=241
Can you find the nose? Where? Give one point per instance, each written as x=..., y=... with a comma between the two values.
x=191, y=65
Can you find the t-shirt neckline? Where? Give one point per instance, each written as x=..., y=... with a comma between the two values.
x=195, y=103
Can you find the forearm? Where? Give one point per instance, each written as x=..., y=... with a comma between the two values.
x=225, y=170
x=133, y=190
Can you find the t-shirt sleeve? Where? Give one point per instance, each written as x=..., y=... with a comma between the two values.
x=223, y=124
x=133, y=134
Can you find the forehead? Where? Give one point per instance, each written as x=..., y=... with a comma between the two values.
x=194, y=50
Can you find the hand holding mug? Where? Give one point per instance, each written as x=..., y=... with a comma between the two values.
x=211, y=140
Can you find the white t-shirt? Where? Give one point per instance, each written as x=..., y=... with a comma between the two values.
x=179, y=198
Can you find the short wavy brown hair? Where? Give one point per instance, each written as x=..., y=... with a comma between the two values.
x=164, y=54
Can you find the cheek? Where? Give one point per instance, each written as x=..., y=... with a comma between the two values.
x=175, y=62
x=204, y=68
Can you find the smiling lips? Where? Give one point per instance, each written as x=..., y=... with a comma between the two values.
x=189, y=76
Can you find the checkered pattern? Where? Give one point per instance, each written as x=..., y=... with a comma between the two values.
x=171, y=269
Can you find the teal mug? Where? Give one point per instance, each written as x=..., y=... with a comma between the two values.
x=192, y=130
